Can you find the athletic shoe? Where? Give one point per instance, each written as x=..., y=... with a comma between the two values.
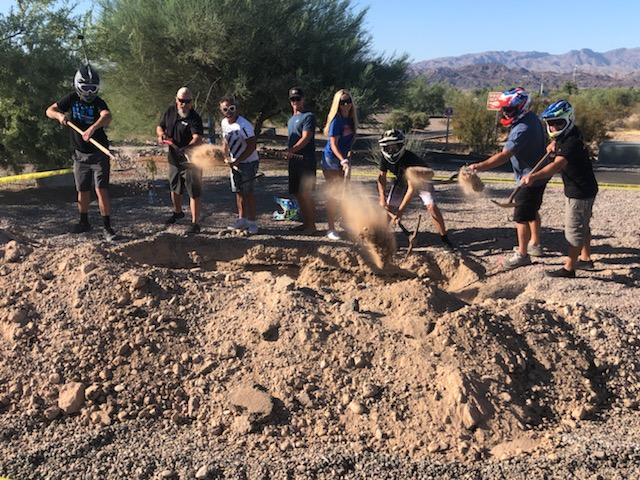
x=81, y=227
x=584, y=265
x=446, y=242
x=175, y=216
x=535, y=250
x=240, y=224
x=252, y=227
x=516, y=260
x=561, y=273
x=333, y=235
x=109, y=234
x=194, y=228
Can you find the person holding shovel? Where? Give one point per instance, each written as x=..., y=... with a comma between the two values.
x=240, y=146
x=571, y=157
x=90, y=113
x=181, y=128
x=524, y=148
x=342, y=122
x=397, y=159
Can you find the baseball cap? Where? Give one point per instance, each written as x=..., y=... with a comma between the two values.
x=296, y=92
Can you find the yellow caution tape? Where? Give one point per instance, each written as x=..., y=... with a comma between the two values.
x=35, y=175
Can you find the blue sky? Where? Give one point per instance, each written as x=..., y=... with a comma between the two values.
x=437, y=28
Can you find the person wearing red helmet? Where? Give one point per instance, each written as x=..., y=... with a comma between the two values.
x=525, y=146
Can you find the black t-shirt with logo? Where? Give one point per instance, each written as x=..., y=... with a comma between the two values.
x=408, y=159
x=577, y=176
x=180, y=130
x=83, y=115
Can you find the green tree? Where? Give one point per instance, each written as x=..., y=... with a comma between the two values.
x=255, y=49
x=420, y=96
x=400, y=120
x=36, y=67
x=472, y=123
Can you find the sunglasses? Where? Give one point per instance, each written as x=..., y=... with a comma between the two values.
x=295, y=99
x=229, y=109
x=346, y=102
x=185, y=101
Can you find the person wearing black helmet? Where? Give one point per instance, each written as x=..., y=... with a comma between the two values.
x=396, y=159
x=91, y=114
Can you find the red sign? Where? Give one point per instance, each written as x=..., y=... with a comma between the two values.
x=492, y=100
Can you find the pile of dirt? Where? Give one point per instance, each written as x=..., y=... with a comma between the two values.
x=305, y=346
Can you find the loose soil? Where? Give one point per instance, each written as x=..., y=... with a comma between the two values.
x=282, y=356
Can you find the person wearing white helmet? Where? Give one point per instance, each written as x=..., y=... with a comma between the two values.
x=571, y=157
x=90, y=113
x=396, y=159
x=524, y=148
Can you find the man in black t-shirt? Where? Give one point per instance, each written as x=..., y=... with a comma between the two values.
x=580, y=185
x=396, y=159
x=90, y=113
x=182, y=126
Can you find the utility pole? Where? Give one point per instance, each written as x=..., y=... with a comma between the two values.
x=575, y=69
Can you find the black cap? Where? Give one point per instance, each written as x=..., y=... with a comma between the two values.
x=296, y=92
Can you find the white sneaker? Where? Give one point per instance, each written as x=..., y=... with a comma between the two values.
x=239, y=224
x=252, y=227
x=535, y=250
x=516, y=260
x=333, y=235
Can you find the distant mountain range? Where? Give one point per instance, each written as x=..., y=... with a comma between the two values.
x=620, y=67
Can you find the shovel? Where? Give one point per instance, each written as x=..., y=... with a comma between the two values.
x=411, y=236
x=510, y=203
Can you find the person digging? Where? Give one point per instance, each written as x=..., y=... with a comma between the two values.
x=87, y=113
x=397, y=159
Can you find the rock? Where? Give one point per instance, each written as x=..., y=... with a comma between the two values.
x=101, y=418
x=55, y=379
x=18, y=316
x=354, y=305
x=580, y=413
x=13, y=251
x=193, y=406
x=251, y=399
x=369, y=390
x=125, y=349
x=88, y=267
x=228, y=350
x=206, y=367
x=356, y=407
x=268, y=328
x=123, y=299
x=378, y=435
x=304, y=399
x=167, y=474
x=203, y=472
x=52, y=413
x=134, y=280
x=71, y=397
x=242, y=425
x=93, y=392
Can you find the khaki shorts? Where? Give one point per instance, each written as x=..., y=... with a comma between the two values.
x=577, y=215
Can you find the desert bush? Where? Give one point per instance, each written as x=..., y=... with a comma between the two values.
x=473, y=124
x=399, y=119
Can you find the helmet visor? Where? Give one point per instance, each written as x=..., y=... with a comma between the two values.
x=557, y=124
x=88, y=88
x=509, y=112
x=392, y=149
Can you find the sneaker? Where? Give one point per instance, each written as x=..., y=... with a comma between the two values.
x=516, y=260
x=109, y=234
x=175, y=216
x=194, y=228
x=333, y=235
x=252, y=227
x=535, y=250
x=81, y=227
x=584, y=265
x=561, y=273
x=240, y=224
x=446, y=242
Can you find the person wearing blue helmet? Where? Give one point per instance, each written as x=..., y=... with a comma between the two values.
x=571, y=158
x=525, y=146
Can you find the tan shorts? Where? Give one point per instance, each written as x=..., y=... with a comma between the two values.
x=577, y=215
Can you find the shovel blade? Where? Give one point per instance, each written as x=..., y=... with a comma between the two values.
x=504, y=204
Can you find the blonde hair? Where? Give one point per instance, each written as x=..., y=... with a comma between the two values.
x=335, y=107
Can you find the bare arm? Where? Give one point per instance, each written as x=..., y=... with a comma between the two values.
x=160, y=133
x=300, y=144
x=492, y=162
x=54, y=113
x=547, y=172
x=103, y=120
x=251, y=147
x=334, y=148
x=381, y=183
x=405, y=200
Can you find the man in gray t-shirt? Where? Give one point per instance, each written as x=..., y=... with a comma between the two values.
x=524, y=148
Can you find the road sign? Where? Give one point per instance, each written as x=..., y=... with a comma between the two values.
x=448, y=112
x=492, y=100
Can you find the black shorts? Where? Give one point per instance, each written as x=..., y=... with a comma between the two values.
x=528, y=201
x=187, y=177
x=302, y=175
x=91, y=168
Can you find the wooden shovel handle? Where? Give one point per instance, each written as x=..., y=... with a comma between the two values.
x=98, y=145
x=535, y=168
